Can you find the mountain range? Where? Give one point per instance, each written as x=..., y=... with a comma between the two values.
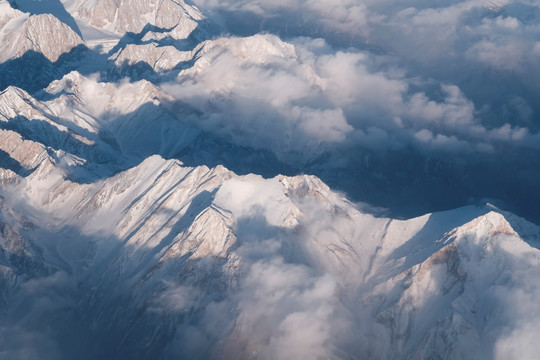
x=187, y=180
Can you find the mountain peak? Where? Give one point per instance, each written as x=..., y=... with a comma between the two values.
x=121, y=16
x=489, y=225
x=43, y=34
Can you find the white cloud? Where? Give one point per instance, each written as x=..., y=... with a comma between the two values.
x=287, y=312
x=302, y=99
x=458, y=42
x=347, y=16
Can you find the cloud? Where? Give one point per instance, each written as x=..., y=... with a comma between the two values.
x=520, y=343
x=328, y=83
x=360, y=88
x=279, y=310
x=303, y=99
x=519, y=317
x=450, y=42
x=176, y=298
x=266, y=99
x=286, y=312
x=42, y=320
x=346, y=16
x=283, y=302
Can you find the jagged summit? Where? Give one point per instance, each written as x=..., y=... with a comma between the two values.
x=158, y=58
x=490, y=225
x=26, y=33
x=123, y=16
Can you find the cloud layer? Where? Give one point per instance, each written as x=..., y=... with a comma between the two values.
x=346, y=83
x=303, y=97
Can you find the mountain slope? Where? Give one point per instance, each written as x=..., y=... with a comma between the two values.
x=23, y=33
x=180, y=243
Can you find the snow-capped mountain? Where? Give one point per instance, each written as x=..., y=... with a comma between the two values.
x=157, y=196
x=33, y=33
x=123, y=16
x=162, y=246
